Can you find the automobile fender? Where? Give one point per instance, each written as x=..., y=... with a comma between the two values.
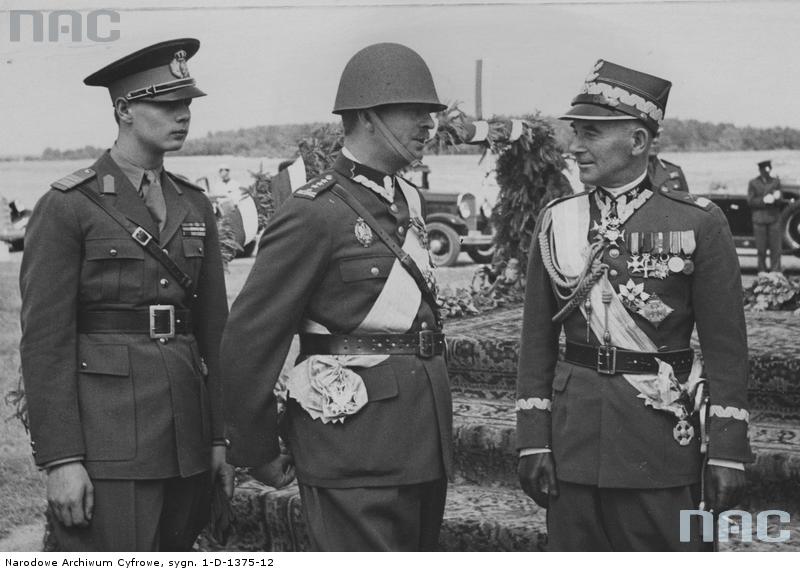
x=458, y=223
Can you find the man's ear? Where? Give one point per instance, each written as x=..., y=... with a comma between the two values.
x=642, y=138
x=122, y=108
x=364, y=120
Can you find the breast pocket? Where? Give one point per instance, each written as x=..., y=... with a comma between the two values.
x=365, y=268
x=107, y=404
x=113, y=269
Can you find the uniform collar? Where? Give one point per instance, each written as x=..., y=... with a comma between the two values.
x=131, y=170
x=377, y=181
x=618, y=191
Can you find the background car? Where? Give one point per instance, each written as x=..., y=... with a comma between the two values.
x=456, y=222
x=739, y=216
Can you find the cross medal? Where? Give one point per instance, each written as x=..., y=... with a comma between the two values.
x=608, y=229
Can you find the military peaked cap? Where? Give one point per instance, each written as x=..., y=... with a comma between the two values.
x=765, y=164
x=613, y=92
x=155, y=73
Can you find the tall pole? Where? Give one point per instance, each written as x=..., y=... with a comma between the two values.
x=478, y=89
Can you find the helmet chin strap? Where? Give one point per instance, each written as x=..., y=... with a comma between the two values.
x=390, y=138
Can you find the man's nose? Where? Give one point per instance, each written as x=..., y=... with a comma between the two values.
x=576, y=145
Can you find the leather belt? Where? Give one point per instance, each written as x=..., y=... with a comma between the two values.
x=610, y=360
x=159, y=321
x=424, y=344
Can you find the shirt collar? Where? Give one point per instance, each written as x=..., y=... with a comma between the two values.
x=132, y=171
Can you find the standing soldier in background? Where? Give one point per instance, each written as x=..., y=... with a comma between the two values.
x=607, y=437
x=344, y=264
x=765, y=200
x=123, y=305
x=664, y=175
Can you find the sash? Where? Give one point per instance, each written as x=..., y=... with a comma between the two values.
x=568, y=230
x=325, y=385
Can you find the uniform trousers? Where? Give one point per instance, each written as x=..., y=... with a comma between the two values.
x=372, y=519
x=768, y=236
x=141, y=516
x=587, y=518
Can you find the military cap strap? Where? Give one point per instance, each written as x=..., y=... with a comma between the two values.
x=404, y=258
x=143, y=239
x=158, y=89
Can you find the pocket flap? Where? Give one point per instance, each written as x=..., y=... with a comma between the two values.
x=380, y=381
x=365, y=267
x=193, y=247
x=562, y=375
x=105, y=359
x=113, y=249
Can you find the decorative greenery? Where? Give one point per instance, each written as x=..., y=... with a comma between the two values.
x=773, y=291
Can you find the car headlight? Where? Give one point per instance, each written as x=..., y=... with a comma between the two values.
x=464, y=209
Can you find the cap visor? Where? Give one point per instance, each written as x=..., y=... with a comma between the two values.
x=594, y=113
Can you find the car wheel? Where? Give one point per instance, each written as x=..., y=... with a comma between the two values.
x=444, y=244
x=790, y=219
x=481, y=255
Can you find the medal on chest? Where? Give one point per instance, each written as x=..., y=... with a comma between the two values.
x=683, y=432
x=363, y=233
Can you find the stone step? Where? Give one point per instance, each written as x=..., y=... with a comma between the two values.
x=477, y=518
x=482, y=356
x=484, y=443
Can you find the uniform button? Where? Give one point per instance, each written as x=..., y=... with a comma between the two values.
x=374, y=271
x=401, y=230
x=195, y=296
x=113, y=252
x=84, y=365
x=200, y=250
x=612, y=272
x=424, y=325
x=162, y=340
x=165, y=251
x=164, y=282
x=614, y=253
x=393, y=208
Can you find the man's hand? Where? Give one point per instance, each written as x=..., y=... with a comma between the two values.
x=724, y=488
x=276, y=473
x=220, y=470
x=537, y=476
x=70, y=494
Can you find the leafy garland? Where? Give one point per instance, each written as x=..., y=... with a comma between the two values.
x=773, y=291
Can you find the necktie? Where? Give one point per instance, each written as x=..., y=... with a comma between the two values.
x=153, y=197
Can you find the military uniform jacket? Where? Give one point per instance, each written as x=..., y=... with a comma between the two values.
x=131, y=406
x=600, y=431
x=666, y=176
x=757, y=189
x=311, y=267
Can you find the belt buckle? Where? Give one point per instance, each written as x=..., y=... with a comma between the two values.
x=141, y=236
x=427, y=344
x=158, y=314
x=607, y=360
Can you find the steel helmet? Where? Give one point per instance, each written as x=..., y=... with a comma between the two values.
x=383, y=74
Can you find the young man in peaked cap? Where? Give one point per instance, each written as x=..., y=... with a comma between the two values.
x=608, y=438
x=123, y=305
x=368, y=411
x=765, y=199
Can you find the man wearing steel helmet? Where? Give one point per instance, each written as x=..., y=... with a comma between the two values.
x=123, y=303
x=609, y=439
x=368, y=413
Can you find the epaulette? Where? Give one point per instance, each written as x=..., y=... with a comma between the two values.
x=184, y=181
x=71, y=181
x=554, y=202
x=687, y=198
x=314, y=187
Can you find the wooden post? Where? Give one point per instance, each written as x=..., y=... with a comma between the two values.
x=478, y=89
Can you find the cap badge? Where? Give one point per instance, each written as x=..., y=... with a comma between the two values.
x=178, y=65
x=363, y=233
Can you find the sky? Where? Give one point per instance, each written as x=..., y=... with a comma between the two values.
x=277, y=62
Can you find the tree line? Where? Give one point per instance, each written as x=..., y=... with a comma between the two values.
x=281, y=140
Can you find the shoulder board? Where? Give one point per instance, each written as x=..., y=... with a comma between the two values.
x=314, y=187
x=554, y=202
x=71, y=181
x=184, y=181
x=687, y=198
